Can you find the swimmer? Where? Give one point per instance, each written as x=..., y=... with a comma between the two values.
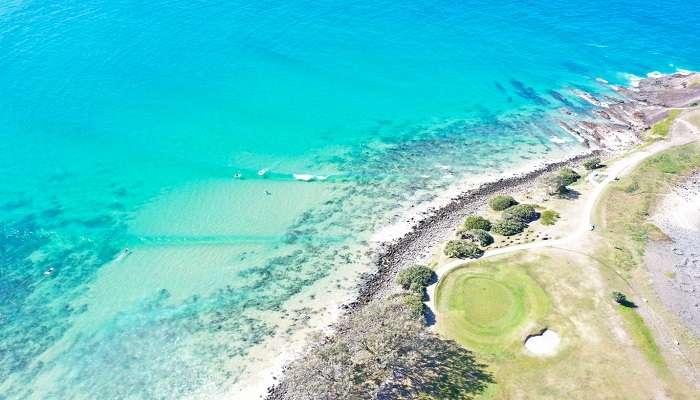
x=48, y=271
x=238, y=175
x=267, y=192
x=262, y=172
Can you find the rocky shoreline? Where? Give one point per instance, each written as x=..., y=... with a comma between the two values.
x=613, y=125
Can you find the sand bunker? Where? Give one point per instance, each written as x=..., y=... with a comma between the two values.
x=544, y=344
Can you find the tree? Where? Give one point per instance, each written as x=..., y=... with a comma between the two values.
x=522, y=212
x=462, y=249
x=569, y=175
x=476, y=222
x=372, y=343
x=555, y=184
x=478, y=236
x=592, y=163
x=508, y=227
x=382, y=349
x=501, y=202
x=415, y=278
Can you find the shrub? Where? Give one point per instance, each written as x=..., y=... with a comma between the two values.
x=619, y=297
x=414, y=303
x=478, y=236
x=500, y=203
x=462, y=249
x=555, y=184
x=415, y=278
x=508, y=227
x=549, y=217
x=477, y=222
x=569, y=175
x=522, y=212
x=592, y=163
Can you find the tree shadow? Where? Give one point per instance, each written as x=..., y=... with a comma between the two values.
x=429, y=316
x=444, y=370
x=569, y=194
x=627, y=303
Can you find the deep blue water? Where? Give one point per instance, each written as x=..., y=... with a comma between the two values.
x=122, y=124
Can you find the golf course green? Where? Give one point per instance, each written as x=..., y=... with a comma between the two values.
x=489, y=306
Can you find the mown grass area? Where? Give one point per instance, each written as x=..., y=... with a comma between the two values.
x=486, y=307
x=597, y=358
x=662, y=128
x=642, y=336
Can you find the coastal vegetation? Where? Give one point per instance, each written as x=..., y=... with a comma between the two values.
x=592, y=163
x=476, y=222
x=555, y=185
x=501, y=202
x=478, y=236
x=415, y=278
x=661, y=128
x=462, y=249
x=508, y=227
x=569, y=176
x=385, y=351
x=549, y=217
x=524, y=213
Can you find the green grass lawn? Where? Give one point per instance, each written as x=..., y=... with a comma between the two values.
x=487, y=307
x=607, y=352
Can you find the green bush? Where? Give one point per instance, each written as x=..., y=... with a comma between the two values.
x=555, y=184
x=549, y=217
x=414, y=301
x=569, y=175
x=508, y=227
x=476, y=222
x=522, y=212
x=478, y=236
x=501, y=202
x=462, y=249
x=592, y=163
x=415, y=278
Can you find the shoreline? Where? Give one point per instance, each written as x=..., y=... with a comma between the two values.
x=618, y=126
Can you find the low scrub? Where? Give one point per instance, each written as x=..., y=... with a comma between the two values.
x=522, y=212
x=569, y=175
x=508, y=227
x=478, y=236
x=476, y=222
x=501, y=202
x=414, y=304
x=549, y=217
x=415, y=278
x=555, y=185
x=592, y=163
x=462, y=249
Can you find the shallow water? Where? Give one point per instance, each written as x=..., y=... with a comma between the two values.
x=124, y=123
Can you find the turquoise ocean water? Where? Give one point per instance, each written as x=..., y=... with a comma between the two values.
x=123, y=123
